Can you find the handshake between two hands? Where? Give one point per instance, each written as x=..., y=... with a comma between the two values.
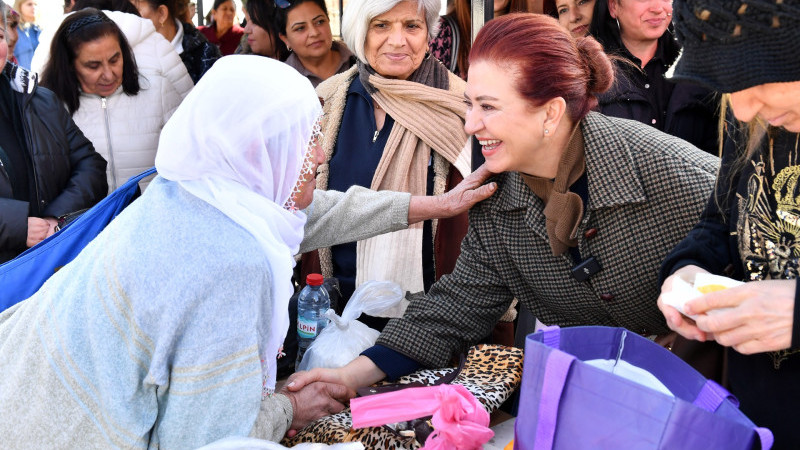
x=314, y=394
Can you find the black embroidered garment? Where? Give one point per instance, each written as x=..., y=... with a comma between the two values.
x=198, y=54
x=751, y=231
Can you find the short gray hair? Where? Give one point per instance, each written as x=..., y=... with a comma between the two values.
x=359, y=13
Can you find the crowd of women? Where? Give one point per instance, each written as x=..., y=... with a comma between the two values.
x=356, y=155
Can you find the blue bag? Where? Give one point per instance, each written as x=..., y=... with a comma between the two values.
x=566, y=403
x=22, y=276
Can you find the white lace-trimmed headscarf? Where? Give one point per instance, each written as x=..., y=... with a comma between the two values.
x=238, y=141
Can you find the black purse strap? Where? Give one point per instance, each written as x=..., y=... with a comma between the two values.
x=444, y=379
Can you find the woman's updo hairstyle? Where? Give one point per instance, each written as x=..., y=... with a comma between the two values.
x=548, y=61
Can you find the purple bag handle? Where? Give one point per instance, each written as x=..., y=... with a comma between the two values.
x=557, y=368
x=555, y=377
x=712, y=395
x=710, y=398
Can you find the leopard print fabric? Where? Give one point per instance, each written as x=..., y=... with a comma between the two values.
x=491, y=374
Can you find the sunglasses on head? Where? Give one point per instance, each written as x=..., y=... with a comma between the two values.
x=283, y=4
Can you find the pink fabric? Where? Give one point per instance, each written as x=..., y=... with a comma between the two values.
x=459, y=421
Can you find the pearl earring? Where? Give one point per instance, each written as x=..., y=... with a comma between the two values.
x=546, y=131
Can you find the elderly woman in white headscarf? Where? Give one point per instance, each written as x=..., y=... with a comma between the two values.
x=165, y=330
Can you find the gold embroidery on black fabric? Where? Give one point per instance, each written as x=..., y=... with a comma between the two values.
x=781, y=356
x=769, y=226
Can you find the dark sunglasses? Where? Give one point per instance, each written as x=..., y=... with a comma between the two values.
x=283, y=4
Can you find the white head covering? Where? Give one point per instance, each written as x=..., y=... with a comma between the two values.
x=238, y=142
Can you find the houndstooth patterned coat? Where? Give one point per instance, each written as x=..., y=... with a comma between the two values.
x=646, y=191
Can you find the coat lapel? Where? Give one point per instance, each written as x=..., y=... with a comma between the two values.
x=516, y=196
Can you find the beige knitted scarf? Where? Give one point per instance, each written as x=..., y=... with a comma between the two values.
x=428, y=128
x=425, y=118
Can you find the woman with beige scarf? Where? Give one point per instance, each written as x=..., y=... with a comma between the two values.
x=394, y=121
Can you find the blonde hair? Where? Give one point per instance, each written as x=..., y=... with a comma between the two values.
x=18, y=9
x=751, y=138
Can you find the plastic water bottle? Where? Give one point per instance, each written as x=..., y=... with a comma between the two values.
x=311, y=306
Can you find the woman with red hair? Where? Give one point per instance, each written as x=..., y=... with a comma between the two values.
x=586, y=206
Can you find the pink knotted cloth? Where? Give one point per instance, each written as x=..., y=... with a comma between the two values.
x=459, y=420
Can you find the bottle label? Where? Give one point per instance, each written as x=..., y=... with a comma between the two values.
x=306, y=329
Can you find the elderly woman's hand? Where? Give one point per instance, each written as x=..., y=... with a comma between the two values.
x=752, y=318
x=675, y=320
x=461, y=198
x=470, y=191
x=359, y=372
x=316, y=400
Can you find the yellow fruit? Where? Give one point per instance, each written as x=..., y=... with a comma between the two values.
x=711, y=288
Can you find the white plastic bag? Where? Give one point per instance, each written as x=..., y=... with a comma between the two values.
x=345, y=337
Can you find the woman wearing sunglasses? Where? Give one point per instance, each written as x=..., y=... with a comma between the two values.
x=305, y=29
x=261, y=32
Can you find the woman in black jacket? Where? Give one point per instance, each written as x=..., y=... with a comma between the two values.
x=749, y=230
x=197, y=54
x=640, y=33
x=47, y=167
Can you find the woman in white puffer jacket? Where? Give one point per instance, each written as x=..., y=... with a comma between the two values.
x=118, y=101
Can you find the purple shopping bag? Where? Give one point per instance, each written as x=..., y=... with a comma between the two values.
x=566, y=403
